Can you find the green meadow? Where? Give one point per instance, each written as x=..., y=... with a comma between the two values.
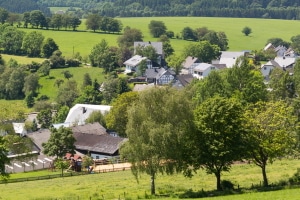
x=49, y=88
x=122, y=184
x=262, y=29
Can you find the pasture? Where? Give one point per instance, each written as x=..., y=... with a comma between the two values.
x=122, y=185
x=49, y=88
x=262, y=29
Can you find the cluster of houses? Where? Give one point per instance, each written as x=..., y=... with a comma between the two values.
x=192, y=68
x=100, y=143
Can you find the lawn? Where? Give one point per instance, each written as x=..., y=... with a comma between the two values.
x=83, y=41
x=116, y=185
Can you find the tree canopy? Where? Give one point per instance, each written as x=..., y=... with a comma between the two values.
x=61, y=141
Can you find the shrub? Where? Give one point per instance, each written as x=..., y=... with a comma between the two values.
x=227, y=185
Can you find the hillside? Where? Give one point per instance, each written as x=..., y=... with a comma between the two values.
x=21, y=6
x=275, y=9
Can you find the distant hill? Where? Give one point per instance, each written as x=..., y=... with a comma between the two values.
x=21, y=6
x=275, y=9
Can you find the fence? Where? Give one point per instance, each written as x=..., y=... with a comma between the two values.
x=67, y=174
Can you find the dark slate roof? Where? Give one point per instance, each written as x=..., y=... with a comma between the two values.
x=94, y=128
x=105, y=144
x=157, y=46
x=39, y=137
x=185, y=79
x=151, y=73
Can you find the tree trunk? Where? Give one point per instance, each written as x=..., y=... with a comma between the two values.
x=218, y=176
x=264, y=173
x=152, y=184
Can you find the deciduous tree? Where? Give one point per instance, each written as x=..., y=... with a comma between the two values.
x=157, y=28
x=153, y=134
x=117, y=117
x=247, y=30
x=219, y=138
x=271, y=133
x=3, y=159
x=32, y=43
x=61, y=141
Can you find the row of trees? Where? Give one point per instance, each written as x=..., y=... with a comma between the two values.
x=229, y=116
x=215, y=8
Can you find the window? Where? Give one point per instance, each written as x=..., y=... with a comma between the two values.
x=97, y=157
x=265, y=68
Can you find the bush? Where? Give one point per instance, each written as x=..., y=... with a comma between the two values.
x=295, y=179
x=227, y=185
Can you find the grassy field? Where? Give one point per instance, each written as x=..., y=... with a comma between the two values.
x=116, y=185
x=50, y=90
x=82, y=40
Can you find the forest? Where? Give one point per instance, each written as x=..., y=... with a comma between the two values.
x=273, y=9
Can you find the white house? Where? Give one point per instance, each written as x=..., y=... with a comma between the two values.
x=268, y=67
x=286, y=62
x=80, y=112
x=132, y=63
x=229, y=58
x=160, y=76
x=202, y=70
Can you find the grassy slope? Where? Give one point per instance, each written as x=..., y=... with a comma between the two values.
x=48, y=84
x=113, y=185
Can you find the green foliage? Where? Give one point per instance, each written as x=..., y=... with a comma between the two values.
x=97, y=116
x=3, y=158
x=219, y=139
x=45, y=118
x=61, y=115
x=61, y=142
x=152, y=133
x=117, y=117
x=202, y=50
x=157, y=28
x=130, y=36
x=32, y=43
x=67, y=93
x=247, y=30
x=271, y=133
x=49, y=46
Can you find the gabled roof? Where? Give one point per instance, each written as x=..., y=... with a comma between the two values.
x=268, y=46
x=105, y=144
x=39, y=137
x=271, y=63
x=157, y=46
x=134, y=61
x=80, y=112
x=201, y=67
x=229, y=58
x=185, y=79
x=285, y=61
x=189, y=61
x=94, y=128
x=162, y=72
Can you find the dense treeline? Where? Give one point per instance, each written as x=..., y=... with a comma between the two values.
x=211, y=8
x=21, y=6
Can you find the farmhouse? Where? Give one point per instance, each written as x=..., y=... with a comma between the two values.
x=80, y=112
x=91, y=139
